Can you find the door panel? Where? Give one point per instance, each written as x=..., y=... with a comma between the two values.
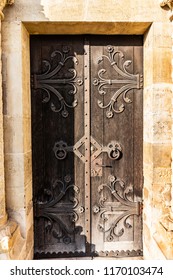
x=56, y=129
x=115, y=215
x=87, y=144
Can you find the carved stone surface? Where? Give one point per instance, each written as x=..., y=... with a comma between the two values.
x=6, y=233
x=167, y=223
x=167, y=4
x=2, y=6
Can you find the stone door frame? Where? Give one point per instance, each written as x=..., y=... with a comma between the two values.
x=157, y=91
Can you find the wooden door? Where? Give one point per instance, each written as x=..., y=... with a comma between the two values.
x=87, y=145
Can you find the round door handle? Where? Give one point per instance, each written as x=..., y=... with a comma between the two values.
x=114, y=150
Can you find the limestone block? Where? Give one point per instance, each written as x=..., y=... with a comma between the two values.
x=164, y=239
x=7, y=236
x=162, y=175
x=145, y=194
x=28, y=198
x=26, y=73
x=148, y=100
x=162, y=65
x=93, y=27
x=27, y=167
x=29, y=239
x=29, y=216
x=160, y=197
x=20, y=217
x=30, y=255
x=18, y=251
x=152, y=251
x=162, y=128
x=158, y=128
x=162, y=98
x=162, y=34
x=158, y=98
x=15, y=198
x=2, y=5
x=162, y=155
x=148, y=131
x=160, y=72
x=148, y=55
x=148, y=172
x=98, y=10
x=148, y=152
x=14, y=170
x=12, y=84
x=157, y=154
x=13, y=132
x=27, y=134
x=167, y=222
x=11, y=43
x=147, y=235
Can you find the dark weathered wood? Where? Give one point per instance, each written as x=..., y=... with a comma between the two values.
x=63, y=228
x=73, y=211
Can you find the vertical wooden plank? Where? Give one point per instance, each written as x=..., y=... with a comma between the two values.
x=121, y=128
x=97, y=136
x=62, y=192
x=37, y=137
x=138, y=141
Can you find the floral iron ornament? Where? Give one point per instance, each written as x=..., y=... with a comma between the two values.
x=129, y=81
x=50, y=82
x=122, y=203
x=49, y=205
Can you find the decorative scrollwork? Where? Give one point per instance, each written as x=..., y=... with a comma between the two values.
x=114, y=150
x=61, y=148
x=129, y=80
x=49, y=205
x=49, y=81
x=123, y=197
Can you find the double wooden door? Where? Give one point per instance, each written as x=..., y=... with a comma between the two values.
x=86, y=95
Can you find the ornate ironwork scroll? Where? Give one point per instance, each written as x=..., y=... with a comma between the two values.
x=123, y=204
x=61, y=148
x=129, y=81
x=113, y=150
x=51, y=83
x=50, y=206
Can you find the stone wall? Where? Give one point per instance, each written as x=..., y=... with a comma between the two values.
x=157, y=130
x=89, y=17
